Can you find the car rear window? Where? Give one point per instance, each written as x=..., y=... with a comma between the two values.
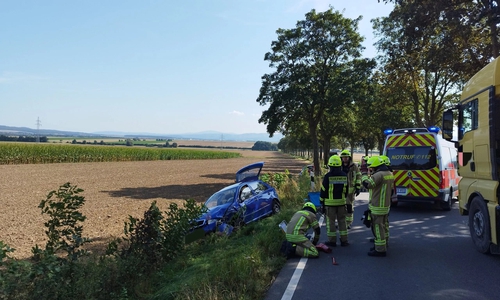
x=412, y=158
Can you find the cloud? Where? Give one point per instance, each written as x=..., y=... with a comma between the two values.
x=237, y=113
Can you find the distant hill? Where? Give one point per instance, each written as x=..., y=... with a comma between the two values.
x=206, y=135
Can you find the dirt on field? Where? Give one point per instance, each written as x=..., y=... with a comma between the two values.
x=113, y=191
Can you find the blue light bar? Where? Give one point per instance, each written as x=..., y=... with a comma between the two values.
x=388, y=131
x=434, y=129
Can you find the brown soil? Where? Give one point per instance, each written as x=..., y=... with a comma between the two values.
x=113, y=191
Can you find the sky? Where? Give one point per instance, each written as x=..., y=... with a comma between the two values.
x=147, y=66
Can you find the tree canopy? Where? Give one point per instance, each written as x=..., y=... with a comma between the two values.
x=318, y=69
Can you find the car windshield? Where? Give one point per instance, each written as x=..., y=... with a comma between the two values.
x=412, y=158
x=221, y=197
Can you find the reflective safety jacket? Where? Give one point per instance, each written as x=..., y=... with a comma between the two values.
x=353, y=177
x=334, y=188
x=380, y=184
x=297, y=228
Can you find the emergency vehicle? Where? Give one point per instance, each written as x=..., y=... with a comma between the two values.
x=477, y=117
x=424, y=165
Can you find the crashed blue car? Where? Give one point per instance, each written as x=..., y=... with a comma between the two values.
x=249, y=199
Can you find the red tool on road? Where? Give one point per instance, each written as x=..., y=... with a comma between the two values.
x=324, y=248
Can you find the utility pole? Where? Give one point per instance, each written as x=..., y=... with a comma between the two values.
x=38, y=124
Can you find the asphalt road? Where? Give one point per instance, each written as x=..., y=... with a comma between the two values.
x=430, y=256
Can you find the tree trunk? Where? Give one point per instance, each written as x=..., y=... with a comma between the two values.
x=314, y=135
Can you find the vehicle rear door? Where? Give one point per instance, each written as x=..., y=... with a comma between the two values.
x=415, y=164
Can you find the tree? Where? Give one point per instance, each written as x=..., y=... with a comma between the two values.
x=317, y=64
x=264, y=146
x=421, y=64
x=474, y=22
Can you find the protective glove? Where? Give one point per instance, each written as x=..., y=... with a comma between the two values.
x=323, y=209
x=349, y=208
x=357, y=192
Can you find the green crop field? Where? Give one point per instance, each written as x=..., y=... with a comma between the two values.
x=29, y=153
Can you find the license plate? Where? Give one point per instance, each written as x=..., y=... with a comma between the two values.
x=401, y=191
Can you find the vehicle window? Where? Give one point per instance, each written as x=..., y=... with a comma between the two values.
x=469, y=117
x=221, y=197
x=257, y=187
x=261, y=187
x=412, y=158
x=245, y=193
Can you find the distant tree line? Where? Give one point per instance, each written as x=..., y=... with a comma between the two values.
x=22, y=138
x=264, y=146
x=258, y=146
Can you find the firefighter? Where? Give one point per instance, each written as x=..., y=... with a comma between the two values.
x=297, y=243
x=354, y=183
x=394, y=198
x=380, y=183
x=333, y=202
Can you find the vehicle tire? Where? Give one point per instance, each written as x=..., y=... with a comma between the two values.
x=479, y=225
x=394, y=204
x=276, y=207
x=446, y=206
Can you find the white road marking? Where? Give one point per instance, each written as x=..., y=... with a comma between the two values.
x=292, y=285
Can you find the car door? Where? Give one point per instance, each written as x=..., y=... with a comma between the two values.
x=248, y=203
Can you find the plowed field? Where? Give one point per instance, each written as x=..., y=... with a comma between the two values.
x=113, y=191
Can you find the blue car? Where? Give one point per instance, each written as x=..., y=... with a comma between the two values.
x=249, y=199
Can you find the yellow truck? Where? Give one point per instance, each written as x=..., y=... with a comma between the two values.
x=476, y=123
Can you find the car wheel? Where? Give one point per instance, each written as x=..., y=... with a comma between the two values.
x=394, y=204
x=276, y=207
x=479, y=224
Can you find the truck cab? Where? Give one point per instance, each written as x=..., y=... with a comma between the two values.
x=476, y=122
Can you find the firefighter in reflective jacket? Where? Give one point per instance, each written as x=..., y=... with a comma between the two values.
x=354, y=183
x=297, y=242
x=394, y=197
x=333, y=201
x=380, y=184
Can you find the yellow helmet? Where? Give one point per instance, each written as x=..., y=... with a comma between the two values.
x=310, y=205
x=345, y=153
x=334, y=161
x=386, y=160
x=374, y=161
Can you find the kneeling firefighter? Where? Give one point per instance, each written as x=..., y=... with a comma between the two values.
x=297, y=243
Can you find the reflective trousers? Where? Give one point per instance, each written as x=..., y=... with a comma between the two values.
x=380, y=229
x=306, y=249
x=350, y=216
x=336, y=213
